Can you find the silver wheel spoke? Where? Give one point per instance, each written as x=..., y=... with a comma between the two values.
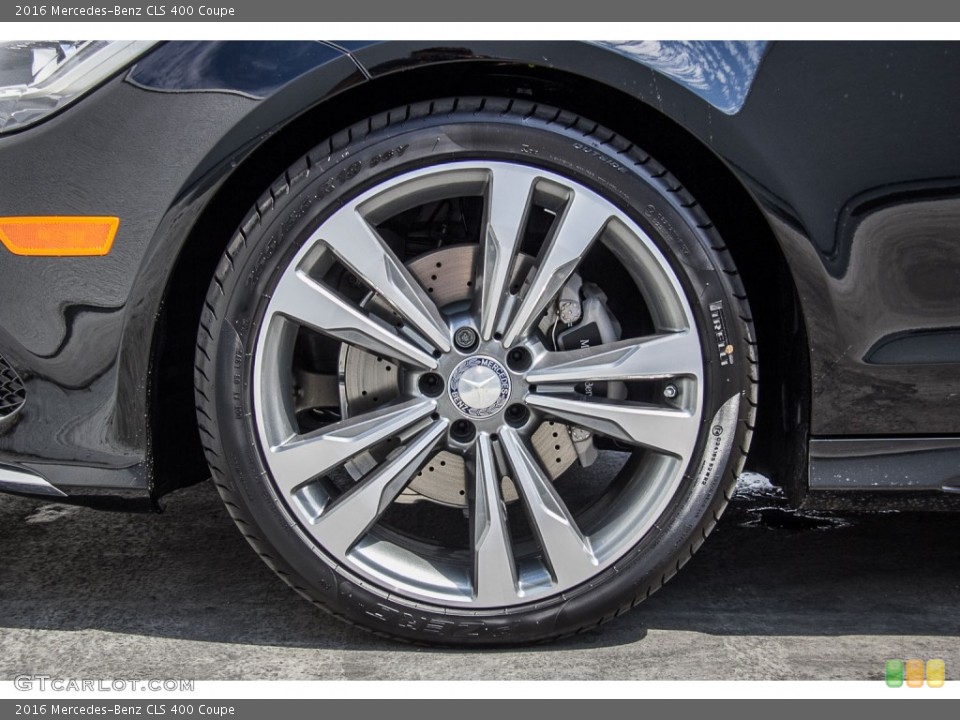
x=361, y=249
x=567, y=551
x=304, y=457
x=352, y=515
x=306, y=301
x=507, y=199
x=581, y=221
x=494, y=573
x=662, y=429
x=658, y=356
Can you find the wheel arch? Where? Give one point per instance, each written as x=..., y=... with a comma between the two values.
x=780, y=438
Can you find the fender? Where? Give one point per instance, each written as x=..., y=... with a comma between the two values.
x=86, y=367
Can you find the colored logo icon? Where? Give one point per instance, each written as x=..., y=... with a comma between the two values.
x=913, y=672
x=935, y=673
x=894, y=673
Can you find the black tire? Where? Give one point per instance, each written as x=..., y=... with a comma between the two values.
x=424, y=135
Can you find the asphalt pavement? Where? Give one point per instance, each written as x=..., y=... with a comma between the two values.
x=773, y=594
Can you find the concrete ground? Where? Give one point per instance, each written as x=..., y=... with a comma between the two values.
x=772, y=595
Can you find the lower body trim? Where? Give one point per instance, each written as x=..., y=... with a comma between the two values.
x=885, y=464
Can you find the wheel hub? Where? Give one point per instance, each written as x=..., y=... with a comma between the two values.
x=479, y=387
x=368, y=382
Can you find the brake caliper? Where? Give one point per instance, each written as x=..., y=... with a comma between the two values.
x=581, y=319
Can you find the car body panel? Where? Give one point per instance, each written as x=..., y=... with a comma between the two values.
x=86, y=366
x=865, y=213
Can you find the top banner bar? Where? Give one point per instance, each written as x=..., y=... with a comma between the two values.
x=510, y=11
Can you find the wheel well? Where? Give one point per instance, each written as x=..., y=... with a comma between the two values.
x=779, y=442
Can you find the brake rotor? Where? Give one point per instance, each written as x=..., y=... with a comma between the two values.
x=368, y=381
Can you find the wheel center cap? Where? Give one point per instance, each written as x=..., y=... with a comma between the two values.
x=479, y=386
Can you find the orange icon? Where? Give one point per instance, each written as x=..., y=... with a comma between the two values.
x=914, y=673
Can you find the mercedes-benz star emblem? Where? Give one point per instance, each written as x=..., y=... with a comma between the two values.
x=479, y=386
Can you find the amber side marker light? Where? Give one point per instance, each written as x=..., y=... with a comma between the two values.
x=58, y=236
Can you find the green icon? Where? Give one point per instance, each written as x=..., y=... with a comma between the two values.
x=894, y=673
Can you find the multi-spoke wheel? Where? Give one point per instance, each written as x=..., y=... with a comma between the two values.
x=476, y=372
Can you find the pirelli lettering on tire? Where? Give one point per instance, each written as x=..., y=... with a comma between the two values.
x=724, y=348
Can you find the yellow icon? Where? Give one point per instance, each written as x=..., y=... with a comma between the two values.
x=914, y=673
x=935, y=673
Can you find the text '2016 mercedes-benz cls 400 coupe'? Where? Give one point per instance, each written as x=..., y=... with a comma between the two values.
x=474, y=339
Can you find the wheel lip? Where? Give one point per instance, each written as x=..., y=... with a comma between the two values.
x=389, y=583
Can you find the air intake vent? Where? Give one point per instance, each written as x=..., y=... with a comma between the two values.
x=12, y=392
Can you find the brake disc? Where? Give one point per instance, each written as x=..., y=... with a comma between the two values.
x=368, y=381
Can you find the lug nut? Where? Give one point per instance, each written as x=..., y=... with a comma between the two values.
x=430, y=384
x=519, y=359
x=465, y=338
x=670, y=391
x=463, y=431
x=516, y=414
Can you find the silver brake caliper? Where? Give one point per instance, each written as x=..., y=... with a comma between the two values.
x=581, y=319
